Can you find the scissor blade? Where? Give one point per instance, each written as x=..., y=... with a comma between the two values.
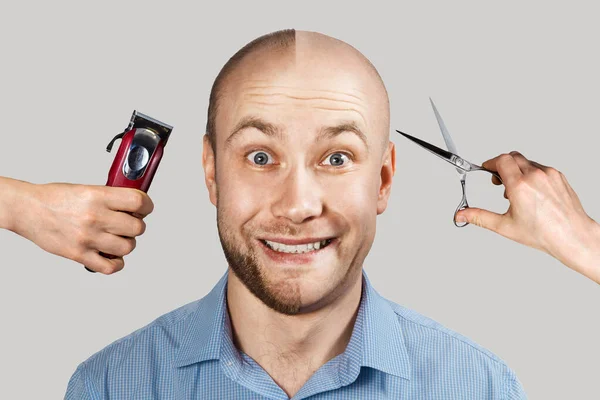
x=445, y=133
x=443, y=154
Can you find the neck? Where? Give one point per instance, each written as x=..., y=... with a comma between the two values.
x=298, y=344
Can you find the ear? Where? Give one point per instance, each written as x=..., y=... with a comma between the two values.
x=208, y=163
x=388, y=169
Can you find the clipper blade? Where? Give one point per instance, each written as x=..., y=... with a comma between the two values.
x=139, y=120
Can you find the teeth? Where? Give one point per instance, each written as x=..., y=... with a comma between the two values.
x=302, y=248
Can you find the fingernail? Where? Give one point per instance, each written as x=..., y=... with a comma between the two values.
x=461, y=218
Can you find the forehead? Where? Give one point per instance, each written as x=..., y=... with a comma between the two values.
x=304, y=87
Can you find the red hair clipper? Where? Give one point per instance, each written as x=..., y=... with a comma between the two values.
x=140, y=152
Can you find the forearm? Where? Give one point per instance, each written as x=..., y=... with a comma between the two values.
x=585, y=256
x=13, y=194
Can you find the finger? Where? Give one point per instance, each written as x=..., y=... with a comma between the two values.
x=483, y=218
x=107, y=266
x=118, y=245
x=122, y=224
x=540, y=166
x=506, y=166
x=129, y=200
x=523, y=163
x=497, y=182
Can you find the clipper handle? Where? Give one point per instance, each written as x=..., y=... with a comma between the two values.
x=135, y=163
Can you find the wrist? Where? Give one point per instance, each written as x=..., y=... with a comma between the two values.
x=594, y=265
x=14, y=196
x=586, y=260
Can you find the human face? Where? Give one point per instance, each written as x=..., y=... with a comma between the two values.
x=299, y=159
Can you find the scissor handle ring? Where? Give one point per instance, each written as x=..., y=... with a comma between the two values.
x=463, y=204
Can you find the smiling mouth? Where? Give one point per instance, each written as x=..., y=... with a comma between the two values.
x=299, y=249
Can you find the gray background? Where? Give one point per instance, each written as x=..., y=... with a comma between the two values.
x=511, y=76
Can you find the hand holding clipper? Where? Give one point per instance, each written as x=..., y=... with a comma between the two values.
x=138, y=157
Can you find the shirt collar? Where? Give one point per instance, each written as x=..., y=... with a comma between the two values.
x=379, y=329
x=377, y=340
x=203, y=334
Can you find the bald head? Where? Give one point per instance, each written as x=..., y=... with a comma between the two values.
x=321, y=61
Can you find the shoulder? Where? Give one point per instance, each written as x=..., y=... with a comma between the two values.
x=418, y=329
x=451, y=359
x=148, y=347
x=169, y=325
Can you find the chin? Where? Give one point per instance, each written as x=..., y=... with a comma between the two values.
x=302, y=287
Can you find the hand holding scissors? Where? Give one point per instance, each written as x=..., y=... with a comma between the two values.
x=462, y=166
x=545, y=213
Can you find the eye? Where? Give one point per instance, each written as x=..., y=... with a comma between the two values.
x=260, y=157
x=337, y=158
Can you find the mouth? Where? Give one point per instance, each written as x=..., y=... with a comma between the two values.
x=299, y=254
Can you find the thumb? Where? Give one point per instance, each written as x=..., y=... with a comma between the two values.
x=480, y=217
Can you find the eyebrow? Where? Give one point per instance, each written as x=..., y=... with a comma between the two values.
x=276, y=131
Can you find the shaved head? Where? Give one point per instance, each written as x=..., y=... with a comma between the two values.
x=304, y=49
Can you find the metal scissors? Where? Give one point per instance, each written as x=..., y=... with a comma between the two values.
x=462, y=166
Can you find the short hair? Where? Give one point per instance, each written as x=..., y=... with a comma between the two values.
x=283, y=39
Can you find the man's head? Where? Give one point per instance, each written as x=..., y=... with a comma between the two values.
x=297, y=146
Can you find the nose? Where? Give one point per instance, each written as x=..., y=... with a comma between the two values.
x=300, y=197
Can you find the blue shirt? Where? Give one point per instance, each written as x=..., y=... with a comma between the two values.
x=393, y=353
